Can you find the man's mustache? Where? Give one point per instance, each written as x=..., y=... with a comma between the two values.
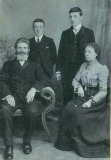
x=22, y=53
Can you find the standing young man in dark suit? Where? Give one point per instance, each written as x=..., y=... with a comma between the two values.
x=71, y=51
x=42, y=48
x=21, y=80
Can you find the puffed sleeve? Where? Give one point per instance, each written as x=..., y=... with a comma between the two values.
x=76, y=81
x=103, y=78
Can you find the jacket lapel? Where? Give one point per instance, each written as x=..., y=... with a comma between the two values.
x=34, y=43
x=16, y=65
x=82, y=32
x=71, y=34
x=25, y=65
x=43, y=40
x=83, y=37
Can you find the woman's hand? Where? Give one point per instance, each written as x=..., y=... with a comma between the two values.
x=87, y=104
x=80, y=92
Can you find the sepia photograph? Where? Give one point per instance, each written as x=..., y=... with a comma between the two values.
x=55, y=79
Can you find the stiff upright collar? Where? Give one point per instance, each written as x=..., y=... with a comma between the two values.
x=40, y=37
x=22, y=62
x=77, y=28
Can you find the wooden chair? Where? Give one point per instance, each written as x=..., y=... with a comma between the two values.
x=51, y=102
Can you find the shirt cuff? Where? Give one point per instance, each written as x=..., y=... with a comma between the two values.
x=58, y=72
x=36, y=89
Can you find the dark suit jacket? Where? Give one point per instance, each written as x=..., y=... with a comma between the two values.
x=66, y=48
x=17, y=80
x=47, y=52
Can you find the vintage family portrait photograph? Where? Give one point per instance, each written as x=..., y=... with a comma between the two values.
x=55, y=79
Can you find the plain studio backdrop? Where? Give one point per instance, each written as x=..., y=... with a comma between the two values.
x=16, y=18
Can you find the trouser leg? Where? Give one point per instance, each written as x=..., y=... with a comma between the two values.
x=7, y=115
x=67, y=94
x=31, y=110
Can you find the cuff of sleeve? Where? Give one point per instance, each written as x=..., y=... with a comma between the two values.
x=58, y=72
x=36, y=90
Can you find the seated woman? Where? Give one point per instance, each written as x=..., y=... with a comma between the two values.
x=84, y=126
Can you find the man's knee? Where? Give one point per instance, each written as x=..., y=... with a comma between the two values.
x=31, y=110
x=7, y=109
x=34, y=108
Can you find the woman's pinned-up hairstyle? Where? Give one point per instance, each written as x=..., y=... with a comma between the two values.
x=95, y=46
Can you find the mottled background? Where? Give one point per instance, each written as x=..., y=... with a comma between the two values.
x=16, y=17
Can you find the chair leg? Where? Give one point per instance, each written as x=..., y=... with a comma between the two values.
x=45, y=127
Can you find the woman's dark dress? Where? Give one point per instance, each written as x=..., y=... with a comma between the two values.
x=86, y=130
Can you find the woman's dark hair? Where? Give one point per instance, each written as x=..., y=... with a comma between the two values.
x=76, y=9
x=96, y=48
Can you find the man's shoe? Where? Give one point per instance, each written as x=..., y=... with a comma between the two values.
x=27, y=148
x=8, y=155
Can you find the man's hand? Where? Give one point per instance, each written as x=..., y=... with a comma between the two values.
x=30, y=95
x=10, y=99
x=80, y=92
x=58, y=76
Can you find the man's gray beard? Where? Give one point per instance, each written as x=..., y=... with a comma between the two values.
x=22, y=58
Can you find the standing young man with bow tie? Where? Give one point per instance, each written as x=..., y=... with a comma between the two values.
x=71, y=51
x=21, y=80
x=42, y=48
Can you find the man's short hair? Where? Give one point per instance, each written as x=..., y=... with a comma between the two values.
x=22, y=40
x=39, y=20
x=76, y=9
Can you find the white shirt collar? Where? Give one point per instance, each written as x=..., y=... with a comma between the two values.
x=77, y=28
x=22, y=62
x=40, y=37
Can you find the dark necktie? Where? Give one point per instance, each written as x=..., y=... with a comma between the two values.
x=38, y=40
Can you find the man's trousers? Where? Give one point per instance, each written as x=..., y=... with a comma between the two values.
x=31, y=110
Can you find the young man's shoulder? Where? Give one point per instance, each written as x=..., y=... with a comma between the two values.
x=67, y=31
x=44, y=37
x=87, y=29
x=47, y=38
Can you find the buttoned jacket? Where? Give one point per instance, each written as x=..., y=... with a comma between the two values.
x=17, y=80
x=47, y=52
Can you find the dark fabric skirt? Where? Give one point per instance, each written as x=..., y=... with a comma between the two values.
x=85, y=130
